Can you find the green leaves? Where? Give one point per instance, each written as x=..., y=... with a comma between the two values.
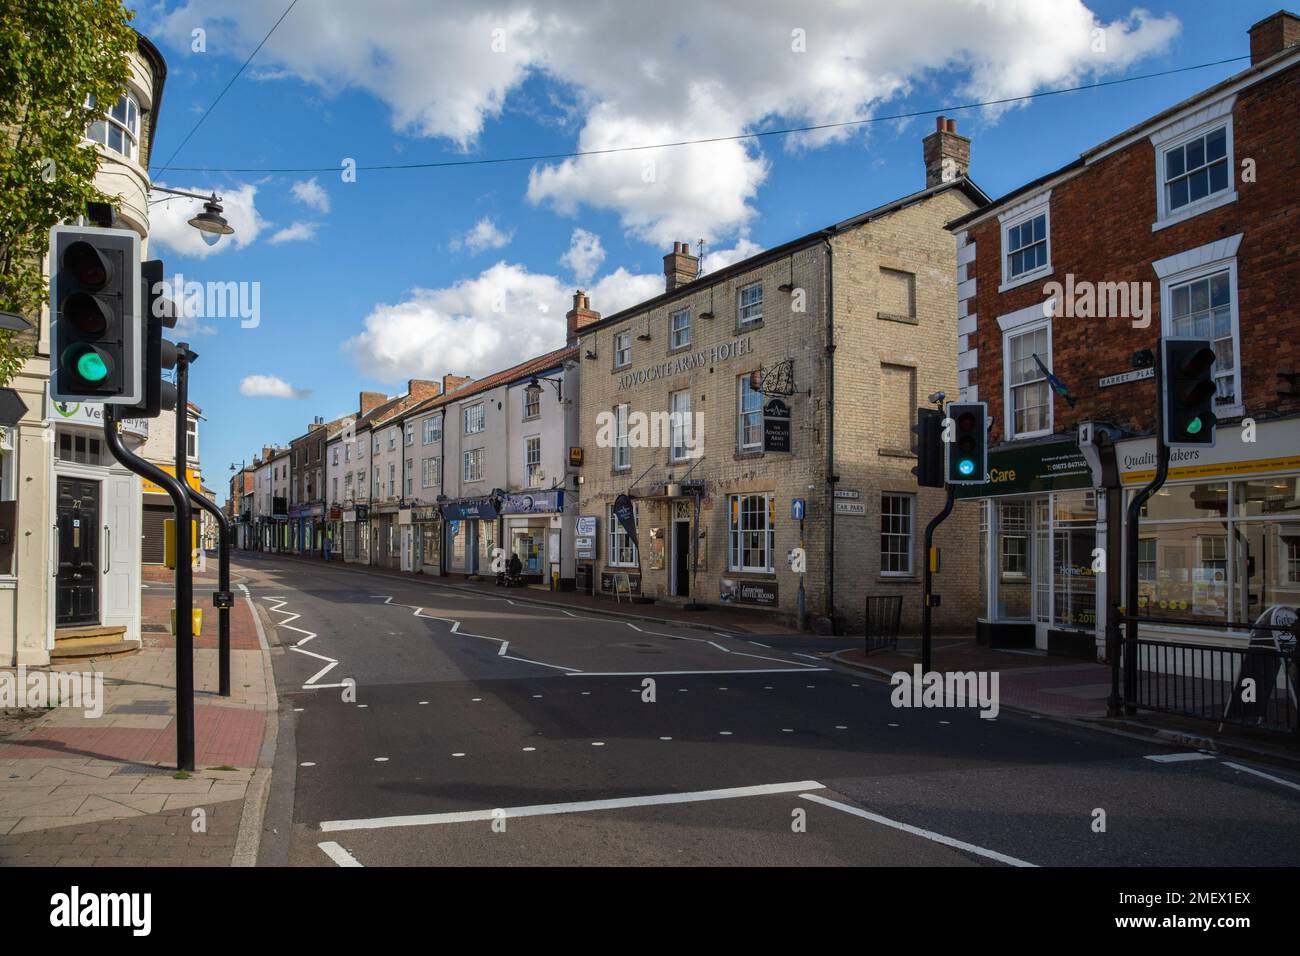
x=55, y=57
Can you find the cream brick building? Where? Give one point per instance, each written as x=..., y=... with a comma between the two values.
x=844, y=331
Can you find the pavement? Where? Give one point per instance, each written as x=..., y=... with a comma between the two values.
x=97, y=785
x=422, y=724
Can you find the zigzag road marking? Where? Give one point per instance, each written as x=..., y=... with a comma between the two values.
x=331, y=663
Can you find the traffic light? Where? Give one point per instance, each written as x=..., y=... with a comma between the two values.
x=158, y=354
x=95, y=328
x=967, y=443
x=929, y=448
x=1189, y=391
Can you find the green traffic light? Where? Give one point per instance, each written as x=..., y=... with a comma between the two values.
x=91, y=367
x=1194, y=426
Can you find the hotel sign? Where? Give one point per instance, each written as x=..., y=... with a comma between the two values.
x=687, y=362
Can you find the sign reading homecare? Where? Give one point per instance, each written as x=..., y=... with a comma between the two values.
x=687, y=362
x=1022, y=470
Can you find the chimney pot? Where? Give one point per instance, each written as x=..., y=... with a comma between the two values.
x=680, y=267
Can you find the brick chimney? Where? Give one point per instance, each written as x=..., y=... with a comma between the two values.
x=1272, y=35
x=579, y=316
x=452, y=382
x=419, y=389
x=680, y=267
x=370, y=401
x=945, y=144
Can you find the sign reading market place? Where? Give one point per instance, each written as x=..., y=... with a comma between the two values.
x=687, y=362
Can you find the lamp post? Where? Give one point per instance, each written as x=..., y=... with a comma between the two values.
x=210, y=222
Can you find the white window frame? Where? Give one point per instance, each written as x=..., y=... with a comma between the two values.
x=679, y=335
x=192, y=439
x=531, y=466
x=622, y=450
x=478, y=422
x=743, y=322
x=432, y=432
x=624, y=337
x=475, y=456
x=1197, y=263
x=532, y=403
x=1022, y=322
x=130, y=127
x=1182, y=131
x=1038, y=205
x=392, y=480
x=429, y=472
x=615, y=534
x=742, y=382
x=910, y=534
x=392, y=437
x=680, y=423
x=735, y=529
x=409, y=436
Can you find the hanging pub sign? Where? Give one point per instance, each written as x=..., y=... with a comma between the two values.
x=363, y=512
x=625, y=515
x=776, y=426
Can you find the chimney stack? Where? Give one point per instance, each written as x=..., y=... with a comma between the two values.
x=370, y=401
x=452, y=382
x=580, y=316
x=1272, y=35
x=418, y=389
x=680, y=267
x=947, y=155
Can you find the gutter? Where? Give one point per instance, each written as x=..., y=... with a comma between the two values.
x=830, y=432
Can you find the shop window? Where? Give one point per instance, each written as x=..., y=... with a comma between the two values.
x=751, y=532
x=896, y=534
x=622, y=549
x=1200, y=500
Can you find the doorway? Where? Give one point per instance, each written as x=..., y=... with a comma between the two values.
x=76, y=587
x=681, y=559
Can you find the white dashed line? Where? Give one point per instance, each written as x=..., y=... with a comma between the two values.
x=339, y=855
x=306, y=763
x=1180, y=758
x=1259, y=773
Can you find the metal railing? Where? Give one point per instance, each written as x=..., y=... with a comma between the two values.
x=883, y=613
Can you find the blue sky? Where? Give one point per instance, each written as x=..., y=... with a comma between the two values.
x=364, y=284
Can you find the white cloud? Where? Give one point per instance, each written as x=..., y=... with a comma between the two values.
x=480, y=325
x=293, y=233
x=311, y=192
x=584, y=256
x=645, y=73
x=169, y=221
x=269, y=386
x=484, y=235
x=743, y=249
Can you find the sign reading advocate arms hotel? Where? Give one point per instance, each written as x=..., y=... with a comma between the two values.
x=685, y=363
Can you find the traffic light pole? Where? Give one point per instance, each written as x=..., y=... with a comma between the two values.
x=929, y=578
x=223, y=600
x=184, y=619
x=1131, y=546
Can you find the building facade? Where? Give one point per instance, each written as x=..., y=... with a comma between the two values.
x=1180, y=226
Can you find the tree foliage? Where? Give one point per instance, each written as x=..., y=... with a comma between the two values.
x=56, y=56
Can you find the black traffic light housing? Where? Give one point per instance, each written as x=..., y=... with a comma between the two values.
x=95, y=333
x=1188, y=393
x=158, y=354
x=929, y=448
x=967, y=444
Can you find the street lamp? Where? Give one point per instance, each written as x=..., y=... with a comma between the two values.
x=210, y=222
x=534, y=387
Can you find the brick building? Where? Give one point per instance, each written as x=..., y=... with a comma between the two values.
x=792, y=375
x=1182, y=225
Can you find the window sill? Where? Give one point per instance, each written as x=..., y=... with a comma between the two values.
x=1192, y=211
x=749, y=326
x=752, y=572
x=1025, y=279
x=743, y=455
x=897, y=576
x=896, y=317
x=896, y=453
x=679, y=349
x=1025, y=436
x=620, y=368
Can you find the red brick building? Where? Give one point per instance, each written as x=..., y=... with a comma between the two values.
x=1186, y=224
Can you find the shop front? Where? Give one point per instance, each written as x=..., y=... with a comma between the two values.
x=1038, y=533
x=534, y=534
x=470, y=535
x=385, y=548
x=356, y=535
x=427, y=533
x=334, y=534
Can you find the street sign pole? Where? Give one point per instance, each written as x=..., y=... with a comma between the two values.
x=223, y=599
x=184, y=571
x=931, y=599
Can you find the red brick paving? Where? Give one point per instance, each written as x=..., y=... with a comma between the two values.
x=156, y=609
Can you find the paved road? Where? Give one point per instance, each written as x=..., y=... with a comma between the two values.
x=424, y=725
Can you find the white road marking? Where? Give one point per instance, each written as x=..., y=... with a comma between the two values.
x=802, y=669
x=307, y=763
x=381, y=760
x=310, y=683
x=1180, y=758
x=810, y=657
x=1259, y=773
x=504, y=646
x=916, y=831
x=584, y=806
x=598, y=743
x=756, y=644
x=339, y=855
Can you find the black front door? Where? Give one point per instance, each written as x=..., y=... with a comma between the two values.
x=76, y=587
x=682, y=559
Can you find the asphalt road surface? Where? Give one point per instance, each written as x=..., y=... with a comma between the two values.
x=425, y=725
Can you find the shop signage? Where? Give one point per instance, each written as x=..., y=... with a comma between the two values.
x=424, y=515
x=1276, y=448
x=776, y=426
x=760, y=593
x=633, y=578
x=848, y=493
x=363, y=512
x=685, y=363
x=1054, y=466
x=195, y=481
x=586, y=526
x=850, y=508
x=92, y=414
x=1135, y=375
x=585, y=546
x=349, y=515
x=625, y=514
x=469, y=508
x=540, y=502
x=575, y=456
x=336, y=514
